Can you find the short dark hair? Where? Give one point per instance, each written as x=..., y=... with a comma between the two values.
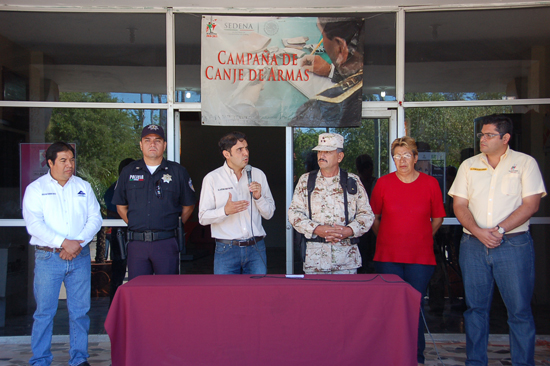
x=123, y=163
x=363, y=163
x=502, y=123
x=311, y=161
x=56, y=147
x=230, y=140
x=349, y=29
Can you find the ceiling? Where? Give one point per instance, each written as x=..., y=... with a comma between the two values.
x=249, y=5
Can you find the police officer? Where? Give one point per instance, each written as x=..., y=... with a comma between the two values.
x=151, y=194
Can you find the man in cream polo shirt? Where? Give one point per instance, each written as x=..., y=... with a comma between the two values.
x=495, y=194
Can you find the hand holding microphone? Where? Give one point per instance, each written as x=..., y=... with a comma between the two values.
x=254, y=187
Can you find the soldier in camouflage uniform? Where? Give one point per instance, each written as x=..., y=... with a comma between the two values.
x=329, y=240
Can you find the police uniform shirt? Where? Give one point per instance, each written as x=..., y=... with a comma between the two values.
x=154, y=201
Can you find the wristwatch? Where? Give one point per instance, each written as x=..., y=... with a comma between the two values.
x=501, y=230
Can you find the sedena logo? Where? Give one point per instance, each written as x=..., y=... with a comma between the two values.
x=238, y=26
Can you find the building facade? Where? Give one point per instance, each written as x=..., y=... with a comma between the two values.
x=94, y=75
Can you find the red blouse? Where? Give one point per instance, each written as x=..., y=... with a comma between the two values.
x=405, y=232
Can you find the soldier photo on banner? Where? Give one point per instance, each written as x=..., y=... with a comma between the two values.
x=276, y=71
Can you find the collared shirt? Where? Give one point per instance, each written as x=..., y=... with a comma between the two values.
x=54, y=213
x=493, y=194
x=327, y=208
x=155, y=201
x=215, y=190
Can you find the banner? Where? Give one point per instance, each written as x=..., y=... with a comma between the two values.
x=273, y=71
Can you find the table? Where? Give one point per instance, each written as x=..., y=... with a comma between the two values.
x=247, y=320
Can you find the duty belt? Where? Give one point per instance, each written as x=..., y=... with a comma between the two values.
x=241, y=242
x=150, y=235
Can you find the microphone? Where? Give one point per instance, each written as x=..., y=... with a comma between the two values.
x=248, y=169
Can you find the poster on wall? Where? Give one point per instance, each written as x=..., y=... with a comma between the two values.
x=434, y=163
x=33, y=163
x=282, y=71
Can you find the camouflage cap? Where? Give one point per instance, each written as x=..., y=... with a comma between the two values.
x=329, y=142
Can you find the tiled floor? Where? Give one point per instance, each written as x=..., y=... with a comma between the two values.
x=18, y=354
x=451, y=349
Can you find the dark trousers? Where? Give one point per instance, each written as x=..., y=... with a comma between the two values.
x=153, y=257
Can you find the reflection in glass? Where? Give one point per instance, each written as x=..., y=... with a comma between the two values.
x=188, y=57
x=379, y=57
x=49, y=53
x=470, y=55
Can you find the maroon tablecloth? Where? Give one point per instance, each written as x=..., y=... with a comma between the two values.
x=238, y=320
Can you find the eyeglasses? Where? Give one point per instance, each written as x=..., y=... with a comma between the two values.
x=488, y=136
x=405, y=156
x=158, y=189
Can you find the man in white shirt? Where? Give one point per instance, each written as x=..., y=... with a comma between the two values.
x=233, y=201
x=62, y=216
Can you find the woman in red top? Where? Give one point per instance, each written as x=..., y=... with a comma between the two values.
x=408, y=208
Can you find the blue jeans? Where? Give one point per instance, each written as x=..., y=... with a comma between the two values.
x=49, y=272
x=418, y=276
x=231, y=259
x=512, y=266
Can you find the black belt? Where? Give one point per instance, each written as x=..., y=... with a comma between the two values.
x=241, y=242
x=49, y=249
x=150, y=235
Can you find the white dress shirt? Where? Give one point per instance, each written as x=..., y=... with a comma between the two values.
x=54, y=213
x=215, y=190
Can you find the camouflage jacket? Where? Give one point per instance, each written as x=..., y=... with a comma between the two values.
x=327, y=208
